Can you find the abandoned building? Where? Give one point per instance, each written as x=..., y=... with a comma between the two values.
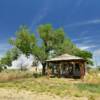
x=66, y=66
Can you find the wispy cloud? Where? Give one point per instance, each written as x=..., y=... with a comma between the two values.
x=86, y=43
x=96, y=21
x=41, y=14
x=86, y=39
x=85, y=47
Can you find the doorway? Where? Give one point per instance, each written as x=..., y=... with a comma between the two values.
x=77, y=70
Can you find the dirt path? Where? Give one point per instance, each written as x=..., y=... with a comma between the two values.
x=11, y=94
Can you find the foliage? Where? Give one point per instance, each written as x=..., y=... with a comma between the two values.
x=86, y=55
x=66, y=47
x=25, y=40
x=51, y=38
x=6, y=60
x=53, y=43
x=39, y=53
x=2, y=67
x=9, y=57
x=55, y=40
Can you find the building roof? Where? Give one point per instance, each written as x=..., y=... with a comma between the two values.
x=65, y=57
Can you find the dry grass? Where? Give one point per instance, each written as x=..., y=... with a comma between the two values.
x=60, y=87
x=92, y=77
x=11, y=94
x=9, y=75
x=55, y=86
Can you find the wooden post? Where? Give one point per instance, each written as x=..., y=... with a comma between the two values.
x=59, y=70
x=43, y=69
x=82, y=71
x=73, y=69
x=84, y=68
x=48, y=71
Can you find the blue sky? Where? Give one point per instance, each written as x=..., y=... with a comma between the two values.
x=79, y=18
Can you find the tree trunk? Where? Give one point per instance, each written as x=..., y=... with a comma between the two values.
x=44, y=68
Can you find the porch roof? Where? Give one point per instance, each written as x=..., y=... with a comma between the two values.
x=65, y=57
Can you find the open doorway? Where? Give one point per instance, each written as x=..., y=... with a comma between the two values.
x=77, y=70
x=67, y=70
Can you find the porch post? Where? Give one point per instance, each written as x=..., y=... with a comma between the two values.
x=73, y=69
x=48, y=70
x=82, y=70
x=59, y=70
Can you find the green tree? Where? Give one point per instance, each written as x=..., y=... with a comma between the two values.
x=86, y=55
x=53, y=43
x=24, y=41
x=54, y=40
x=2, y=67
x=51, y=38
x=98, y=67
x=9, y=57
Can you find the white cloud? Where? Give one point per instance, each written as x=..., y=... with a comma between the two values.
x=87, y=38
x=96, y=21
x=85, y=43
x=86, y=47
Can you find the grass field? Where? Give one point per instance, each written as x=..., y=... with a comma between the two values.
x=88, y=89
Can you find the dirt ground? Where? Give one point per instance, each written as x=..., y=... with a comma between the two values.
x=11, y=94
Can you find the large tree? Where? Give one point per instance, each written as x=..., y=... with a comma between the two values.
x=53, y=42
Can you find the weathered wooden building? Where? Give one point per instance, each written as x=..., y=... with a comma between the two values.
x=66, y=66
